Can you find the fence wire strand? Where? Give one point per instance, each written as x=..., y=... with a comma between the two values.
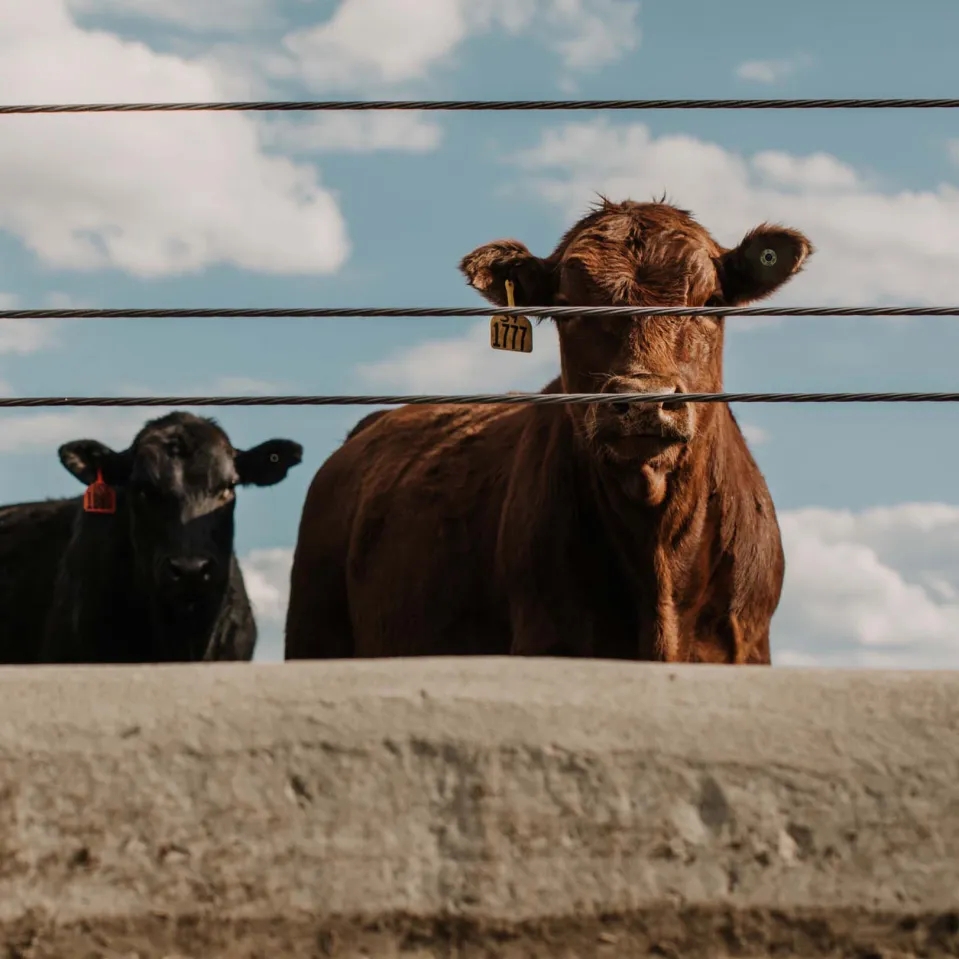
x=461, y=311
x=505, y=399
x=849, y=103
x=550, y=399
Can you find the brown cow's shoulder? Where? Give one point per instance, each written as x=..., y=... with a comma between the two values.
x=419, y=490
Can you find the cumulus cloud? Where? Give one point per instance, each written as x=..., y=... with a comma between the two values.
x=874, y=245
x=23, y=432
x=188, y=14
x=387, y=40
x=215, y=386
x=755, y=435
x=589, y=35
x=266, y=573
x=352, y=133
x=877, y=588
x=25, y=336
x=150, y=195
x=366, y=43
x=772, y=71
x=174, y=194
x=467, y=363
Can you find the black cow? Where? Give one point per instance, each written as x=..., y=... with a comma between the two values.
x=155, y=581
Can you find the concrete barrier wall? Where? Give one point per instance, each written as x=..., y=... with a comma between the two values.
x=487, y=807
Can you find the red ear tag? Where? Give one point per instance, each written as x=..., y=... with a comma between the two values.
x=99, y=498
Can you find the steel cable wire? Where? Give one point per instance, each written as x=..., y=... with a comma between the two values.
x=476, y=311
x=829, y=103
x=507, y=399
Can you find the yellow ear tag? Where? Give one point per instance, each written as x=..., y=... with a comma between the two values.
x=513, y=333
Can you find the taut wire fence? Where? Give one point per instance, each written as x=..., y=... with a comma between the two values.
x=288, y=106
x=461, y=311
x=461, y=399
x=849, y=103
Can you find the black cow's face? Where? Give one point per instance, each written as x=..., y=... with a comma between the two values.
x=177, y=483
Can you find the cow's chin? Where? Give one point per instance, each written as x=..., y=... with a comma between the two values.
x=633, y=449
x=640, y=465
x=187, y=604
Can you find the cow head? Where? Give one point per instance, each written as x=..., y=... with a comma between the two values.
x=176, y=488
x=640, y=254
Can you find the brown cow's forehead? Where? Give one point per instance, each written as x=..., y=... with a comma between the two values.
x=636, y=229
x=653, y=244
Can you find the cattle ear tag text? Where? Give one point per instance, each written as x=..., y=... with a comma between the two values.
x=513, y=333
x=99, y=497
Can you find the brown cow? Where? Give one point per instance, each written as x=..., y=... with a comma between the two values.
x=625, y=531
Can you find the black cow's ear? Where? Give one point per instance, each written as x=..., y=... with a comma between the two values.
x=83, y=458
x=767, y=258
x=267, y=463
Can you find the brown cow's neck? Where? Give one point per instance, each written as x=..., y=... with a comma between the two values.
x=654, y=544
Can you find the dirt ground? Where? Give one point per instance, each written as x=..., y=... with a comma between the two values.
x=668, y=934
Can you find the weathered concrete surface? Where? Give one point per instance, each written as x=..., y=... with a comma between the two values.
x=496, y=808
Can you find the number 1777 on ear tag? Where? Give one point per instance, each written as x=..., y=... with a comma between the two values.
x=513, y=333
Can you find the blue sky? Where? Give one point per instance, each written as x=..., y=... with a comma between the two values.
x=377, y=210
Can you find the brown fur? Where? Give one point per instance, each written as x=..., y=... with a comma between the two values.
x=646, y=532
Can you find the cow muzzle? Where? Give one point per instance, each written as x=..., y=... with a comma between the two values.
x=642, y=429
x=187, y=574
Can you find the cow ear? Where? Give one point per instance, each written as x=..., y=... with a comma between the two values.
x=488, y=268
x=84, y=458
x=268, y=463
x=767, y=257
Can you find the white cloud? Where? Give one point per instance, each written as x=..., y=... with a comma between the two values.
x=266, y=573
x=596, y=33
x=873, y=245
x=818, y=171
x=150, y=195
x=189, y=14
x=25, y=336
x=389, y=41
x=772, y=71
x=29, y=432
x=755, y=435
x=463, y=364
x=215, y=386
x=218, y=385
x=875, y=588
x=353, y=133
x=174, y=194
x=369, y=43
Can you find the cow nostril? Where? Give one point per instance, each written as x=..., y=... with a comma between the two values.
x=199, y=567
x=620, y=409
